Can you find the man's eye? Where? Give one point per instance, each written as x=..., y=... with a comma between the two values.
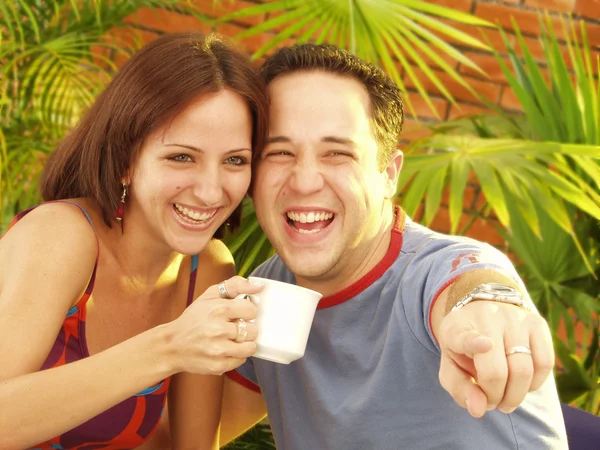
x=181, y=158
x=236, y=160
x=278, y=153
x=338, y=153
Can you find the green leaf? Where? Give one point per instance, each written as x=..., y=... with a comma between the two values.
x=459, y=174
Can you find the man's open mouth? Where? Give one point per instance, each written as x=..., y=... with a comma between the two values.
x=309, y=222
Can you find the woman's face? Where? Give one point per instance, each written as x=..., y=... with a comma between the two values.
x=192, y=173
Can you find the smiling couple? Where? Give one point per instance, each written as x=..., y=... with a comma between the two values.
x=112, y=296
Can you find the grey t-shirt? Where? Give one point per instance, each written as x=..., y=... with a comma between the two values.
x=369, y=377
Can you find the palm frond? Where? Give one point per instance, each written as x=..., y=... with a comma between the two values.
x=386, y=33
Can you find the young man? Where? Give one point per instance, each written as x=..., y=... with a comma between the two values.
x=388, y=364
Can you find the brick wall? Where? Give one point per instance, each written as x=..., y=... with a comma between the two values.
x=493, y=87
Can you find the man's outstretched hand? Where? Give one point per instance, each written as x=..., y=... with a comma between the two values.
x=475, y=368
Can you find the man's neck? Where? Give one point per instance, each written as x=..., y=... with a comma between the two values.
x=363, y=260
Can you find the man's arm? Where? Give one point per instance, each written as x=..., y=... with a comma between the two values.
x=475, y=368
x=242, y=408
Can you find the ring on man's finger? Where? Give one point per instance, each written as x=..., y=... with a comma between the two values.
x=242, y=330
x=518, y=349
x=223, y=290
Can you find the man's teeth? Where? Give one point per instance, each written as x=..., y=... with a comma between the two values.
x=316, y=230
x=201, y=217
x=309, y=217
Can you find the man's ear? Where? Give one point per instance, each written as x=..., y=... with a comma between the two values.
x=392, y=172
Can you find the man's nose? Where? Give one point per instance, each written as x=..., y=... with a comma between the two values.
x=306, y=177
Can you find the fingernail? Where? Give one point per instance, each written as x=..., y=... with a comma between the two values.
x=467, y=403
x=491, y=407
x=256, y=282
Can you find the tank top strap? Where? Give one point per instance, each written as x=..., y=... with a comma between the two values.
x=90, y=286
x=192, y=285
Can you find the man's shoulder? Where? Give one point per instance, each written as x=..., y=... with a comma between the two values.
x=418, y=239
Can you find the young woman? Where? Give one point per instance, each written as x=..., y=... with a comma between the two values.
x=100, y=308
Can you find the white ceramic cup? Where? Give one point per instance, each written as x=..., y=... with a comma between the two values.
x=284, y=319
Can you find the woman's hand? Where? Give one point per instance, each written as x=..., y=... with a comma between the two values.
x=208, y=338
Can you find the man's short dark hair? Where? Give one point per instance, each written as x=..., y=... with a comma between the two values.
x=387, y=108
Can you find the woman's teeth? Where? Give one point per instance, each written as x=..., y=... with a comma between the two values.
x=194, y=215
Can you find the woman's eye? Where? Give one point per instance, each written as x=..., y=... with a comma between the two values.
x=181, y=158
x=236, y=160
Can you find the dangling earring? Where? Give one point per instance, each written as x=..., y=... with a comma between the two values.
x=121, y=208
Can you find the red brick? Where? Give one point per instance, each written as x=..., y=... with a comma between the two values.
x=528, y=21
x=592, y=31
x=470, y=198
x=566, y=6
x=249, y=44
x=494, y=38
x=488, y=64
x=594, y=59
x=488, y=90
x=167, y=21
x=422, y=109
x=221, y=9
x=458, y=5
x=588, y=8
x=414, y=129
x=448, y=59
x=480, y=229
x=463, y=109
x=510, y=100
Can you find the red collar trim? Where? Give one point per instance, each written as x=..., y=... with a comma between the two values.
x=377, y=271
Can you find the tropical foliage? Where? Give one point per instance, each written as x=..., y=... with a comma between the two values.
x=56, y=56
x=552, y=226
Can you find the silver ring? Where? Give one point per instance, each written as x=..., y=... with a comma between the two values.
x=223, y=290
x=242, y=330
x=518, y=349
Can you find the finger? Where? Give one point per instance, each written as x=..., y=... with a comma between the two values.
x=492, y=372
x=234, y=287
x=520, y=373
x=241, y=308
x=232, y=331
x=232, y=349
x=466, y=342
x=462, y=387
x=542, y=353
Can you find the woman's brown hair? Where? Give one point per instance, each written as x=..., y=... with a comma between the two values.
x=152, y=87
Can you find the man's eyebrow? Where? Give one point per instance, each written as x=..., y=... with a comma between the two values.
x=278, y=139
x=333, y=139
x=199, y=150
x=339, y=140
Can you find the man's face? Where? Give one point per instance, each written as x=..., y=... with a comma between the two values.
x=318, y=192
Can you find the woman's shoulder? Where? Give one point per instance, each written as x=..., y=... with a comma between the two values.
x=52, y=223
x=215, y=253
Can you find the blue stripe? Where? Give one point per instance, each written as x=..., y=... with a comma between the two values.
x=57, y=446
x=70, y=312
x=150, y=390
x=194, y=263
